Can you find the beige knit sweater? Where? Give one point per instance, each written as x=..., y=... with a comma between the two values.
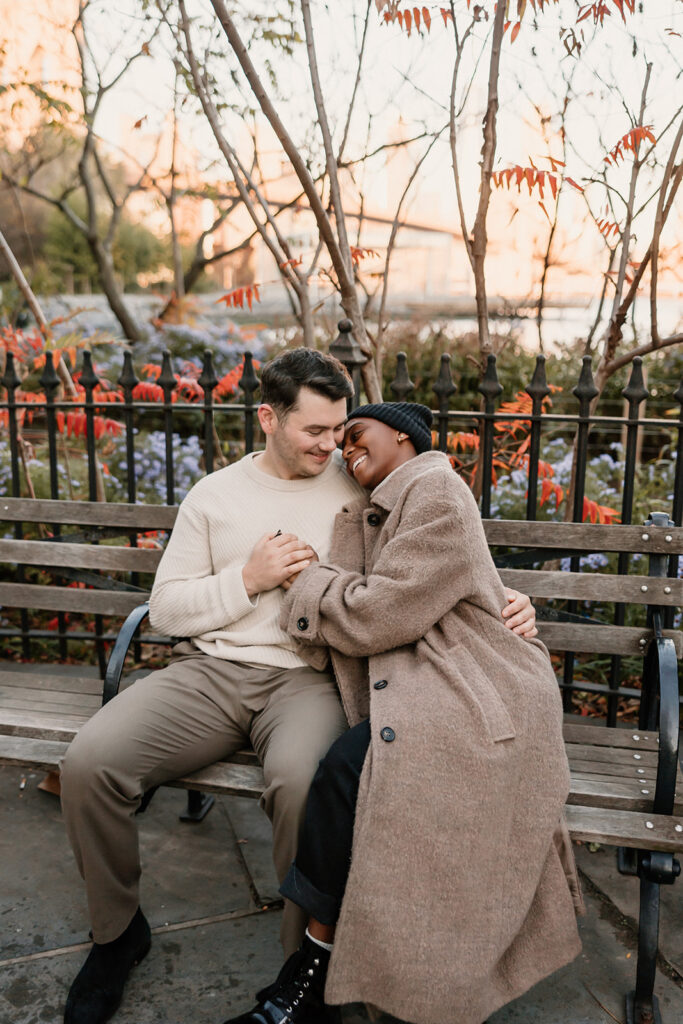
x=198, y=590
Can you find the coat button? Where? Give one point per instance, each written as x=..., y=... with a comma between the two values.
x=302, y=623
x=387, y=734
x=380, y=684
x=373, y=519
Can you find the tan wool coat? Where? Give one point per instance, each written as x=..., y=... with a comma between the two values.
x=462, y=889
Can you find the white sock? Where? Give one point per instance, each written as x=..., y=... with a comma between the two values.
x=319, y=942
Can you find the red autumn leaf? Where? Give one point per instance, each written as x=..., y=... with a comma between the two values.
x=570, y=181
x=446, y=15
x=545, y=212
x=292, y=263
x=515, y=31
x=427, y=18
x=416, y=18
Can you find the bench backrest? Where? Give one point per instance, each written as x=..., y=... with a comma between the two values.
x=119, y=525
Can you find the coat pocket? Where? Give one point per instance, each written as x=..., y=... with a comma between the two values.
x=494, y=712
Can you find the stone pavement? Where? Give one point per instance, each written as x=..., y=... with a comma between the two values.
x=211, y=897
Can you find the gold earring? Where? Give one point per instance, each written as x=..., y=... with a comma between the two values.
x=400, y=437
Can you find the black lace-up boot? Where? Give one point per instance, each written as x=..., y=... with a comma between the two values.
x=297, y=995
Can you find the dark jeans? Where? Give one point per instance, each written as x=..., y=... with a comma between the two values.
x=317, y=878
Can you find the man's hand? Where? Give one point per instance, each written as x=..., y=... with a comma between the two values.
x=520, y=614
x=286, y=584
x=274, y=559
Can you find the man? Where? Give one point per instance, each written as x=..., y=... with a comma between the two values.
x=235, y=542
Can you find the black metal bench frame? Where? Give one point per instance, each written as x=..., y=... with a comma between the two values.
x=648, y=837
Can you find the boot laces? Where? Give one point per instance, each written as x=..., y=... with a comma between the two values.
x=298, y=989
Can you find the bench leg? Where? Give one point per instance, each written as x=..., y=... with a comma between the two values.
x=641, y=1005
x=198, y=806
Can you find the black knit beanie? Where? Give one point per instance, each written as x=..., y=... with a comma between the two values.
x=408, y=417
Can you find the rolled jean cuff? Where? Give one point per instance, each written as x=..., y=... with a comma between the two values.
x=297, y=888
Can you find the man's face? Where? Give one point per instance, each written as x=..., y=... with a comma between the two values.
x=301, y=446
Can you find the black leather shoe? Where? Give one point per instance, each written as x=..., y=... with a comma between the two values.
x=297, y=995
x=96, y=992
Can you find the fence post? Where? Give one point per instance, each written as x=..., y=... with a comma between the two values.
x=11, y=382
x=128, y=380
x=248, y=382
x=167, y=382
x=537, y=390
x=207, y=381
x=346, y=349
x=677, y=507
x=443, y=387
x=90, y=380
x=490, y=388
x=635, y=393
x=49, y=381
x=585, y=391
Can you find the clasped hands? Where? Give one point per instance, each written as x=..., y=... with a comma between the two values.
x=276, y=561
x=278, y=558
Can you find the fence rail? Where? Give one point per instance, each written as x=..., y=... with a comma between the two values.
x=235, y=421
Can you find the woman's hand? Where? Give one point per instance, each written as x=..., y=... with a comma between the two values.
x=520, y=614
x=313, y=557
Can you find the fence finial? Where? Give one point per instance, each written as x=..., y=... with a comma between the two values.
x=127, y=378
x=167, y=379
x=585, y=390
x=89, y=378
x=538, y=389
x=49, y=380
x=9, y=379
x=402, y=385
x=207, y=378
x=635, y=391
x=444, y=385
x=248, y=381
x=490, y=386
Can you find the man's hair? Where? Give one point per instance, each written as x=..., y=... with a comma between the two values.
x=283, y=377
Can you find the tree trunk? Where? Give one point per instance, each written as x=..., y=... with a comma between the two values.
x=107, y=275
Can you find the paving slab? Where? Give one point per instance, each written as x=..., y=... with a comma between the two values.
x=599, y=864
x=189, y=871
x=203, y=890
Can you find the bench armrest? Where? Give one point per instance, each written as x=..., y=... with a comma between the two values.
x=112, y=678
x=661, y=666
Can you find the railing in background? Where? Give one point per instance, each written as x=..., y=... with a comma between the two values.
x=237, y=418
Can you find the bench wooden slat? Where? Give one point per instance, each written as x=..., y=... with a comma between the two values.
x=583, y=536
x=598, y=793
x=569, y=636
x=45, y=681
x=623, y=771
x=222, y=777
x=600, y=735
x=81, y=556
x=41, y=725
x=71, y=599
x=30, y=701
x=625, y=828
x=89, y=513
x=615, y=755
x=593, y=586
x=226, y=778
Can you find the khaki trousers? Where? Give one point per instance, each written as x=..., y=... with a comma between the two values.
x=195, y=711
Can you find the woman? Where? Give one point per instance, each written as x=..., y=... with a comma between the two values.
x=433, y=861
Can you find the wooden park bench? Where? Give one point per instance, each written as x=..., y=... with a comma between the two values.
x=626, y=783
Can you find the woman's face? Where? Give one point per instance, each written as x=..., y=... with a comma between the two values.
x=371, y=450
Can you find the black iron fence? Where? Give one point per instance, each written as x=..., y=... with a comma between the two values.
x=229, y=428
